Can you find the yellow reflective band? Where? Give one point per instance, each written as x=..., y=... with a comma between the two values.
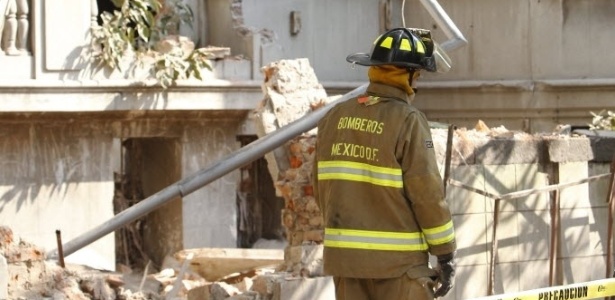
x=387, y=42
x=420, y=48
x=360, y=172
x=440, y=235
x=578, y=291
x=374, y=240
x=405, y=45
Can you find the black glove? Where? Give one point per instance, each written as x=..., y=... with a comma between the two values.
x=446, y=274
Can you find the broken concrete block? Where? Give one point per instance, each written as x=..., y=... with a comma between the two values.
x=4, y=279
x=319, y=288
x=199, y=293
x=304, y=260
x=215, y=263
x=291, y=91
x=222, y=290
x=250, y=295
x=569, y=149
x=264, y=284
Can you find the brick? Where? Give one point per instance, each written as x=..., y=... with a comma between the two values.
x=6, y=237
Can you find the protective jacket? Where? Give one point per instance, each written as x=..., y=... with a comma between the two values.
x=379, y=188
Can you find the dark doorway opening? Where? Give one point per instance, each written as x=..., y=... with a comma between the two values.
x=259, y=208
x=148, y=166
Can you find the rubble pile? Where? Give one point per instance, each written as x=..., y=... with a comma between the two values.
x=32, y=277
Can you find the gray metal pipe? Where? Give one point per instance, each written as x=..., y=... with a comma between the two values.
x=455, y=36
x=243, y=156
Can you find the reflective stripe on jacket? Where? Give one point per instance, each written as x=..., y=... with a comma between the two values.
x=379, y=188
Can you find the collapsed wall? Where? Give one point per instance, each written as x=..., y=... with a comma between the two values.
x=291, y=90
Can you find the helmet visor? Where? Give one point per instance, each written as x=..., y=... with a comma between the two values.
x=443, y=62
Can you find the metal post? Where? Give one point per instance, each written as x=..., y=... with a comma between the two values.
x=494, y=247
x=449, y=154
x=190, y=184
x=60, y=251
x=609, y=245
x=554, y=247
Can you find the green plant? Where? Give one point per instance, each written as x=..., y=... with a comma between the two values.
x=148, y=29
x=604, y=120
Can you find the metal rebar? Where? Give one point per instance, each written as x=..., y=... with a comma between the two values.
x=60, y=249
x=449, y=154
x=554, y=241
x=611, y=204
x=494, y=248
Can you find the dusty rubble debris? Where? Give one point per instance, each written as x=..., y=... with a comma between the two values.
x=32, y=277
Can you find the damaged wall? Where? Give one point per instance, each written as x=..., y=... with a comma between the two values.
x=59, y=174
x=529, y=75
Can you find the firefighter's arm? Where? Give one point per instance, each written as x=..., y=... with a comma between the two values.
x=424, y=187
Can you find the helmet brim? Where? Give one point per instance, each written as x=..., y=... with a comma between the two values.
x=361, y=59
x=364, y=59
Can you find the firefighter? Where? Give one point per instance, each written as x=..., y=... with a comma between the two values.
x=377, y=181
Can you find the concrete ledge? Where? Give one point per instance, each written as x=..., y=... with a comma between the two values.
x=509, y=151
x=602, y=144
x=569, y=149
x=523, y=149
x=114, y=95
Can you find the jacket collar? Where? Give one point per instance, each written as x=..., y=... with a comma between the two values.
x=383, y=90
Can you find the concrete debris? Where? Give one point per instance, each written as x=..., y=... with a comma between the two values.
x=291, y=90
x=214, y=264
x=28, y=276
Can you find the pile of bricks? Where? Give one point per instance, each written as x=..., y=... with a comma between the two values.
x=301, y=216
x=22, y=267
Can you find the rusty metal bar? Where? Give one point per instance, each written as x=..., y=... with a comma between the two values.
x=60, y=249
x=611, y=204
x=494, y=247
x=554, y=242
x=555, y=219
x=449, y=154
x=472, y=189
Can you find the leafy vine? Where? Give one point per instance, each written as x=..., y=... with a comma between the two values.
x=148, y=29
